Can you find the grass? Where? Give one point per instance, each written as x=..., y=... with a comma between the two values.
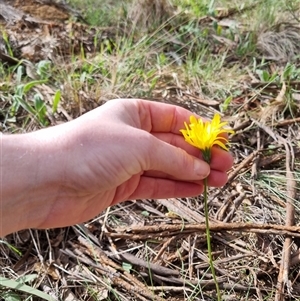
x=103, y=13
x=223, y=56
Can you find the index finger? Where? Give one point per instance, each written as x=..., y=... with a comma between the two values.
x=161, y=117
x=157, y=117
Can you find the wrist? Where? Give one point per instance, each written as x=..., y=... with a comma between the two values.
x=29, y=179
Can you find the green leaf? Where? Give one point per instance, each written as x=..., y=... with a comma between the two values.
x=145, y=213
x=7, y=43
x=11, y=247
x=83, y=77
x=226, y=103
x=14, y=284
x=126, y=266
x=43, y=69
x=27, y=278
x=265, y=76
x=24, y=104
x=40, y=108
x=20, y=72
x=10, y=296
x=219, y=30
x=33, y=83
x=56, y=100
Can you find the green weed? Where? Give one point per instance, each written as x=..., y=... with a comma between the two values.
x=188, y=50
x=36, y=109
x=15, y=288
x=103, y=13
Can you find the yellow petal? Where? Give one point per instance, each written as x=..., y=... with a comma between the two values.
x=205, y=134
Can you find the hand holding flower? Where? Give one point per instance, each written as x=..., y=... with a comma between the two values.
x=125, y=149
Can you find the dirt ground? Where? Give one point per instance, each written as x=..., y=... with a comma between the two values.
x=156, y=249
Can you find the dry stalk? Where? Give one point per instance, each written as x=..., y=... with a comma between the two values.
x=124, y=280
x=166, y=230
x=145, y=14
x=282, y=44
x=283, y=276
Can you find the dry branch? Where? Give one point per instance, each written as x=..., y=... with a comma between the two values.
x=165, y=230
x=283, y=276
x=122, y=279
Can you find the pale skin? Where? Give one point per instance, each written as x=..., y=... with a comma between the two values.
x=123, y=150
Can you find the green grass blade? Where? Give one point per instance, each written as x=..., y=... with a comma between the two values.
x=11, y=247
x=14, y=284
x=33, y=83
x=56, y=101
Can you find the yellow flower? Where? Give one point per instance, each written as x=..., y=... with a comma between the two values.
x=205, y=134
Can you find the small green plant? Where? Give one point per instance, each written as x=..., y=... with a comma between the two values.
x=37, y=109
x=247, y=44
x=13, y=289
x=56, y=101
x=101, y=13
x=196, y=8
x=291, y=72
x=7, y=43
x=40, y=109
x=43, y=69
x=266, y=77
x=127, y=267
x=224, y=106
x=11, y=247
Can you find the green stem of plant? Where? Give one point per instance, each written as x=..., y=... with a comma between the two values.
x=211, y=264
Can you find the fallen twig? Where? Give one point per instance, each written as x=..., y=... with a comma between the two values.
x=165, y=230
x=243, y=164
x=132, y=284
x=283, y=275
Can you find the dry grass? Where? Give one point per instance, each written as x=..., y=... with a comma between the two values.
x=150, y=14
x=156, y=249
x=282, y=44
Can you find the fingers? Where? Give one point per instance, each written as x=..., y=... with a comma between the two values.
x=178, y=141
x=217, y=178
x=150, y=116
x=154, y=188
x=161, y=117
x=221, y=160
x=174, y=162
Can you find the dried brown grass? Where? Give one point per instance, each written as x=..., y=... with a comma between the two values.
x=281, y=43
x=163, y=241
x=147, y=14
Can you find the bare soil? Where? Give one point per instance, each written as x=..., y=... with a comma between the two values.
x=156, y=249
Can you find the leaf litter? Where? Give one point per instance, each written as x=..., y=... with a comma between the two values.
x=254, y=218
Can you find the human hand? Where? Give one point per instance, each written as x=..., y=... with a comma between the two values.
x=125, y=149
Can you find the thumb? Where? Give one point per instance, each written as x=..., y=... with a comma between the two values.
x=176, y=162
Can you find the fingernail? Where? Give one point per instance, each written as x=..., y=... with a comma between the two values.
x=201, y=169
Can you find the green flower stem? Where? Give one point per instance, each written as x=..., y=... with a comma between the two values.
x=211, y=264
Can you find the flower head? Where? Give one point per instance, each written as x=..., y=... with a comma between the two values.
x=205, y=134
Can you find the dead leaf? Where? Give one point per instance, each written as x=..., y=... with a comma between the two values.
x=45, y=268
